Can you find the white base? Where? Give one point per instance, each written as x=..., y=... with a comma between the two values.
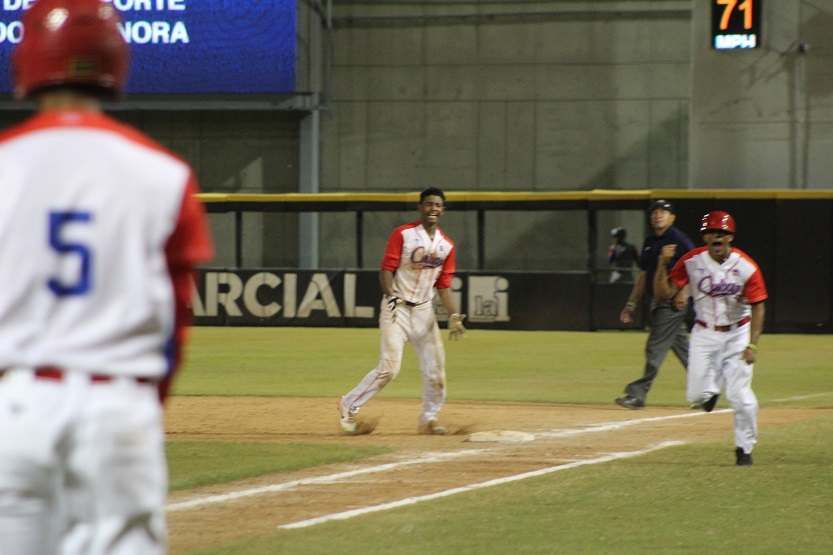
x=502, y=436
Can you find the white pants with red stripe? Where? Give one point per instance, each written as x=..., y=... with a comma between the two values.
x=82, y=466
x=417, y=325
x=715, y=362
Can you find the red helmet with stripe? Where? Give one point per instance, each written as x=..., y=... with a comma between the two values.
x=70, y=42
x=718, y=220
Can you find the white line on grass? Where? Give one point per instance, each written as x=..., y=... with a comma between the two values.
x=496, y=482
x=801, y=397
x=434, y=458
x=604, y=427
x=331, y=478
x=423, y=459
x=610, y=426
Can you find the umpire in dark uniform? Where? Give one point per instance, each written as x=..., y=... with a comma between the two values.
x=667, y=320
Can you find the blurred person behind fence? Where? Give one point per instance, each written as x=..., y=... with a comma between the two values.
x=621, y=256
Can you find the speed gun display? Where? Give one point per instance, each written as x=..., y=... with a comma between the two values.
x=736, y=24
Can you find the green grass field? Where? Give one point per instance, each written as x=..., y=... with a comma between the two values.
x=681, y=499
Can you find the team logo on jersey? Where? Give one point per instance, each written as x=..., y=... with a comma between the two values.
x=720, y=289
x=423, y=260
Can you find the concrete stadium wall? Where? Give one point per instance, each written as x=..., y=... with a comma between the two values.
x=532, y=95
x=763, y=118
x=508, y=96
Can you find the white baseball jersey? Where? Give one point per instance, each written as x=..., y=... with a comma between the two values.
x=96, y=220
x=723, y=292
x=419, y=263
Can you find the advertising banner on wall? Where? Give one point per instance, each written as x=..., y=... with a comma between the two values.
x=351, y=298
x=191, y=46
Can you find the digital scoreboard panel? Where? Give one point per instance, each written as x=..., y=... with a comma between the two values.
x=191, y=46
x=736, y=24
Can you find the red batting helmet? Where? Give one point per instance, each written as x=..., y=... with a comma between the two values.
x=718, y=220
x=70, y=42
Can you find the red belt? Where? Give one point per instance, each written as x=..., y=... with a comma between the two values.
x=730, y=327
x=57, y=374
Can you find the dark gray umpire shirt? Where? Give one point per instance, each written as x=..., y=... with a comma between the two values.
x=651, y=249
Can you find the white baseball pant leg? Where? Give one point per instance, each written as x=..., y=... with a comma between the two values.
x=33, y=419
x=714, y=360
x=703, y=378
x=82, y=467
x=428, y=344
x=117, y=473
x=738, y=378
x=392, y=337
x=418, y=325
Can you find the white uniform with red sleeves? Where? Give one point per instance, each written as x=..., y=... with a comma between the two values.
x=99, y=236
x=722, y=296
x=420, y=264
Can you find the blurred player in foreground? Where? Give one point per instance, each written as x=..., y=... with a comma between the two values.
x=99, y=236
x=667, y=318
x=729, y=294
x=418, y=258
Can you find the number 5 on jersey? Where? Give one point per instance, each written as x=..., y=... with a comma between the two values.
x=58, y=222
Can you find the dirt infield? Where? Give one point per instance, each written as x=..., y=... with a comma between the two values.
x=421, y=465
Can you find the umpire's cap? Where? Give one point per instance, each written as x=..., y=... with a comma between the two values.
x=662, y=204
x=618, y=232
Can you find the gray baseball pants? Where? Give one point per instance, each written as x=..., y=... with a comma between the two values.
x=668, y=331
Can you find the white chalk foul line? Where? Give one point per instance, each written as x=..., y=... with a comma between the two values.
x=498, y=481
x=610, y=426
x=424, y=459
x=555, y=433
x=801, y=397
x=223, y=498
x=433, y=458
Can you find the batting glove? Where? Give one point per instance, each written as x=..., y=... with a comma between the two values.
x=393, y=305
x=456, y=331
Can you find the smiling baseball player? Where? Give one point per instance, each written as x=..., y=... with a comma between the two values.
x=419, y=258
x=100, y=232
x=729, y=294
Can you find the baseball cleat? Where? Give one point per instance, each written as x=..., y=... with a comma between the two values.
x=630, y=402
x=743, y=459
x=348, y=419
x=708, y=405
x=431, y=428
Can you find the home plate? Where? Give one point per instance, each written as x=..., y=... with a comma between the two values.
x=502, y=436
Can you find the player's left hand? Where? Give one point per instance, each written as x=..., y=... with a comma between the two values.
x=749, y=355
x=456, y=331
